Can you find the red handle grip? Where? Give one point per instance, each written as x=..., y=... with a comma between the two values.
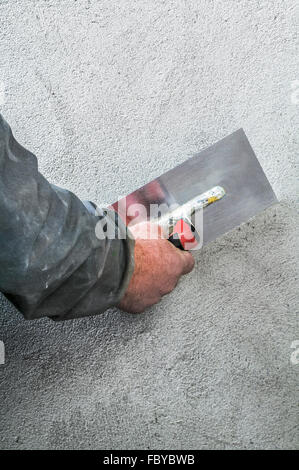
x=183, y=235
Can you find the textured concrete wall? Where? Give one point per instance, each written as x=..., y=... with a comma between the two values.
x=132, y=88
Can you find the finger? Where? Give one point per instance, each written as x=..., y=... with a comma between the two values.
x=168, y=287
x=187, y=262
x=147, y=231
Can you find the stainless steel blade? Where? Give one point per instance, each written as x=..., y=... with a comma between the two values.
x=230, y=163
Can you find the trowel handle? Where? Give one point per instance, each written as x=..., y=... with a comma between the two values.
x=176, y=242
x=182, y=235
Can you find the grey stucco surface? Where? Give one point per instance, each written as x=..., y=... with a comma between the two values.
x=132, y=88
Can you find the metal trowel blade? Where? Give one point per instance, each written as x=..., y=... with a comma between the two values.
x=231, y=164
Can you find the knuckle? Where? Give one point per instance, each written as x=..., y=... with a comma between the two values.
x=178, y=267
x=166, y=289
x=137, y=310
x=170, y=285
x=156, y=300
x=191, y=262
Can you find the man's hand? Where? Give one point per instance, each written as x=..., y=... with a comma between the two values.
x=158, y=267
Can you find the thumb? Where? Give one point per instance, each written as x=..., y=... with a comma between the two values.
x=188, y=261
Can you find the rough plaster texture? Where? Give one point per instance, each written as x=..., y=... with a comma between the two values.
x=132, y=88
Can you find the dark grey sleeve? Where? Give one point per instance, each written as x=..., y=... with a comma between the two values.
x=52, y=260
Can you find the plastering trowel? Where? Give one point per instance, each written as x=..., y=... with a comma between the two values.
x=224, y=183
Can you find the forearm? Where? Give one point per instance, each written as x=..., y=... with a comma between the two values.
x=51, y=261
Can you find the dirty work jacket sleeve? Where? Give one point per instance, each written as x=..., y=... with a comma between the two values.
x=57, y=259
